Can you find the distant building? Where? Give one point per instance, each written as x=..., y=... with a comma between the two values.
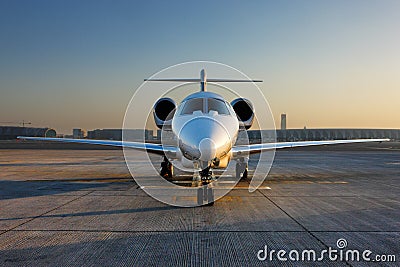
x=335, y=134
x=78, y=133
x=116, y=134
x=166, y=136
x=11, y=132
x=105, y=134
x=256, y=136
x=138, y=134
x=283, y=121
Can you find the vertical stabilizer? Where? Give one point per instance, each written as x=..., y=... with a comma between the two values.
x=203, y=80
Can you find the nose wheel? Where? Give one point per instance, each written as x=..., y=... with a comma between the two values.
x=206, y=175
x=167, y=169
x=205, y=191
x=205, y=195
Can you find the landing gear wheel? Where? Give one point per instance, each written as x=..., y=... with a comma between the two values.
x=206, y=175
x=205, y=194
x=244, y=176
x=167, y=169
x=241, y=170
x=210, y=197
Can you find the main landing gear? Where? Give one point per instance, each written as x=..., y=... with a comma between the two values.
x=167, y=169
x=241, y=169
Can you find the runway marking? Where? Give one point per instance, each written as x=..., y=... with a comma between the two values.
x=216, y=187
x=190, y=181
x=329, y=182
x=230, y=199
x=108, y=180
x=187, y=198
x=305, y=182
x=260, y=187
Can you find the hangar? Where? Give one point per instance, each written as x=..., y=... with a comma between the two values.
x=11, y=132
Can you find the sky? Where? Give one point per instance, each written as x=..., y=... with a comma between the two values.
x=76, y=64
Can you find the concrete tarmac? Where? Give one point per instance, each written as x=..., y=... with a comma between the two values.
x=81, y=207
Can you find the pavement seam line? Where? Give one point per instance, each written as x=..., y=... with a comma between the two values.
x=301, y=225
x=189, y=231
x=38, y=216
x=186, y=231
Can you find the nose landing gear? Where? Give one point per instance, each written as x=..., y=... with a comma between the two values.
x=206, y=175
x=205, y=191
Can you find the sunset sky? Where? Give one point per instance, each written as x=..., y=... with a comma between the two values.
x=76, y=64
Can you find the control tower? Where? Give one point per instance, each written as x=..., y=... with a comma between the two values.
x=283, y=121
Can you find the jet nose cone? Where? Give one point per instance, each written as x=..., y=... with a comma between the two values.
x=203, y=139
x=208, y=149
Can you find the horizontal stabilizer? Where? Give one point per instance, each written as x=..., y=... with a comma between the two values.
x=208, y=80
x=203, y=80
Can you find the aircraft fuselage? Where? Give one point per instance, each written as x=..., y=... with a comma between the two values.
x=206, y=127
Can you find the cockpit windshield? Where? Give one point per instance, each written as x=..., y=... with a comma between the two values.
x=198, y=104
x=193, y=105
x=218, y=106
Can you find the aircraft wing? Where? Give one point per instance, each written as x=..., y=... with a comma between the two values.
x=149, y=147
x=257, y=148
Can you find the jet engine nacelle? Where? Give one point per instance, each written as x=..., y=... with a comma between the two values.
x=163, y=112
x=244, y=111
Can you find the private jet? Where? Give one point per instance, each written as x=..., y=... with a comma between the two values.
x=206, y=128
